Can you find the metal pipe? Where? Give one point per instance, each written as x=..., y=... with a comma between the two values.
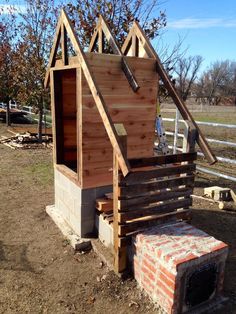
x=209, y=140
x=222, y=159
x=215, y=173
x=230, y=126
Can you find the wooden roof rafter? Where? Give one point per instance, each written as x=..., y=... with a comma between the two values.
x=65, y=23
x=102, y=32
x=136, y=37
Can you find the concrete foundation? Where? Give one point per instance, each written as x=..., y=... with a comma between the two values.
x=105, y=231
x=76, y=205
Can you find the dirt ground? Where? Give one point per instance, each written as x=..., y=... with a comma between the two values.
x=39, y=272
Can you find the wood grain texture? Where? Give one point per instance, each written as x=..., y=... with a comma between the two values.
x=136, y=111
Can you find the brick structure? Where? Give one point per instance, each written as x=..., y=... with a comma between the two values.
x=179, y=266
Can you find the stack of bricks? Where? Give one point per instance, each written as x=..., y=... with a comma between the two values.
x=165, y=256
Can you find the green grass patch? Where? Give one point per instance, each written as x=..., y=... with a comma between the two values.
x=42, y=172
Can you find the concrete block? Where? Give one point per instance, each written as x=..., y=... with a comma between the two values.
x=105, y=231
x=218, y=193
x=87, y=227
x=75, y=224
x=77, y=205
x=102, y=190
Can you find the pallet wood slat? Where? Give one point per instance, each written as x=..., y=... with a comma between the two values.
x=153, y=209
x=131, y=191
x=159, y=172
x=160, y=160
x=183, y=214
x=152, y=221
x=156, y=196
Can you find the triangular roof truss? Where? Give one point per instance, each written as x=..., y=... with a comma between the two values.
x=137, y=39
x=136, y=44
x=65, y=24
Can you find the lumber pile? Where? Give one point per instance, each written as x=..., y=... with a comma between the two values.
x=26, y=140
x=104, y=206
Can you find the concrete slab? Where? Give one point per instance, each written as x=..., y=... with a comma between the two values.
x=78, y=244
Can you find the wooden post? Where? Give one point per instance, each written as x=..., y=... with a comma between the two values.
x=64, y=47
x=119, y=253
x=79, y=126
x=175, y=146
x=100, y=40
x=190, y=137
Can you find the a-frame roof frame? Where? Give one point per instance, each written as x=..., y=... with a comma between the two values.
x=137, y=34
x=100, y=103
x=101, y=31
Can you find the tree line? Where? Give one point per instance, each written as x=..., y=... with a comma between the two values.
x=26, y=37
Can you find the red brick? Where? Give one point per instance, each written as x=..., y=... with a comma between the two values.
x=167, y=273
x=170, y=283
x=149, y=266
x=174, y=245
x=165, y=301
x=167, y=291
x=148, y=273
x=150, y=259
x=185, y=259
x=147, y=284
x=171, y=255
x=220, y=246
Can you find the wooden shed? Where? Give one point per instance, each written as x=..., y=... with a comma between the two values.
x=103, y=110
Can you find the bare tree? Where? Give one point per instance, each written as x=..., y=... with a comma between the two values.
x=218, y=81
x=185, y=73
x=7, y=34
x=36, y=29
x=120, y=15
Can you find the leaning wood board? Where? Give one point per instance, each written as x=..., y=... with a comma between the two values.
x=137, y=111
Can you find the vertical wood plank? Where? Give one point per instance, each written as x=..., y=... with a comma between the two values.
x=100, y=40
x=64, y=48
x=190, y=138
x=98, y=98
x=120, y=253
x=134, y=46
x=52, y=94
x=57, y=114
x=79, y=125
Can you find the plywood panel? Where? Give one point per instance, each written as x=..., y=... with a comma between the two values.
x=137, y=111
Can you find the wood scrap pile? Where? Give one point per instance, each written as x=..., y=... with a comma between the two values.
x=224, y=197
x=105, y=207
x=26, y=140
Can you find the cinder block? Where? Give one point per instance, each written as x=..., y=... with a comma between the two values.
x=87, y=227
x=64, y=210
x=105, y=231
x=102, y=190
x=180, y=267
x=76, y=205
x=75, y=224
